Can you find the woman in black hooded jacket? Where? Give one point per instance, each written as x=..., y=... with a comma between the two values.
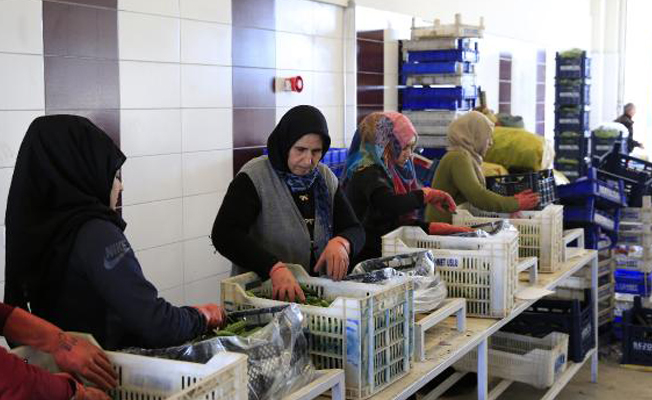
x=68, y=260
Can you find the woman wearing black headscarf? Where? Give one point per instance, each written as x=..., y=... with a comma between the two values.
x=68, y=260
x=287, y=207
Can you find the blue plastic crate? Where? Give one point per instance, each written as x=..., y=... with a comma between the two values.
x=636, y=173
x=573, y=119
x=453, y=99
x=444, y=67
x=573, y=168
x=633, y=282
x=573, y=95
x=595, y=238
x=573, y=317
x=590, y=214
x=573, y=68
x=461, y=55
x=637, y=335
x=603, y=145
x=607, y=189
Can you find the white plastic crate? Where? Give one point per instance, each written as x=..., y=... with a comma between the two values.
x=450, y=31
x=367, y=330
x=638, y=214
x=635, y=234
x=147, y=378
x=535, y=361
x=481, y=270
x=541, y=233
x=441, y=79
x=430, y=44
x=431, y=141
x=643, y=264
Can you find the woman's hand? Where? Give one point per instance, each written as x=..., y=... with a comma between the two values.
x=440, y=199
x=336, y=258
x=284, y=284
x=78, y=356
x=215, y=315
x=527, y=200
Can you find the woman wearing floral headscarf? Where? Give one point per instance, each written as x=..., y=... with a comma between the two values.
x=459, y=172
x=381, y=184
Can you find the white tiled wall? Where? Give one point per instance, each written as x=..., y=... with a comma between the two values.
x=21, y=90
x=310, y=42
x=176, y=116
x=176, y=129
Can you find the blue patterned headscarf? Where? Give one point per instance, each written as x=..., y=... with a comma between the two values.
x=296, y=123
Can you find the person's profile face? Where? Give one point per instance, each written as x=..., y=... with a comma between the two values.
x=116, y=189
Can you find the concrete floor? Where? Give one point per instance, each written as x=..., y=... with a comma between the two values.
x=614, y=383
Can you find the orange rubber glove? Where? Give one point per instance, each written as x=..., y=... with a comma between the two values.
x=335, y=257
x=214, y=314
x=527, y=200
x=441, y=228
x=284, y=285
x=440, y=199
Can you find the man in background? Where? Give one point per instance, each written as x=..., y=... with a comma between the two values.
x=626, y=119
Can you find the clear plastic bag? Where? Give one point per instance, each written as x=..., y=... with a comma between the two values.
x=278, y=361
x=429, y=289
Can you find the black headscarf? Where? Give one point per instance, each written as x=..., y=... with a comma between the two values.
x=297, y=122
x=63, y=178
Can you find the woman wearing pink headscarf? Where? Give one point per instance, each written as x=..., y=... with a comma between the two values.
x=381, y=184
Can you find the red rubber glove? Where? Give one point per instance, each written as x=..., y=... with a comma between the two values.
x=284, y=285
x=440, y=228
x=440, y=199
x=214, y=314
x=335, y=257
x=527, y=200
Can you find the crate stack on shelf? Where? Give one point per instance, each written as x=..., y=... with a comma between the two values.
x=572, y=106
x=437, y=74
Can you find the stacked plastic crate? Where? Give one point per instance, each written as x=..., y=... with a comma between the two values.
x=595, y=202
x=608, y=135
x=633, y=255
x=572, y=104
x=437, y=74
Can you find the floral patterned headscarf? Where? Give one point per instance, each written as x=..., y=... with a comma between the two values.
x=379, y=140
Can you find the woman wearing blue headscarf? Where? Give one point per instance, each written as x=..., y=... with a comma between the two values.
x=287, y=207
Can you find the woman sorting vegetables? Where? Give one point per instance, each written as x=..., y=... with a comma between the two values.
x=287, y=207
x=68, y=260
x=381, y=183
x=459, y=172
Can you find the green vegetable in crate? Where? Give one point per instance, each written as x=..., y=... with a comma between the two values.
x=312, y=297
x=572, y=53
